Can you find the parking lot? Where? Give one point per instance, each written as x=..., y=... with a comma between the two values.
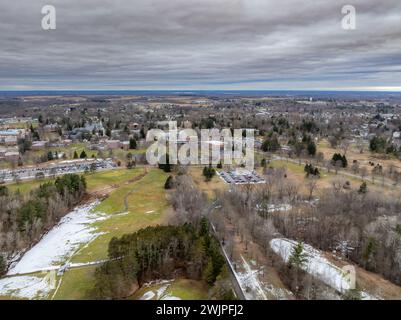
x=240, y=177
x=60, y=168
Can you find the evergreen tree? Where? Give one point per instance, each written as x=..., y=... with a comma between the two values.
x=169, y=184
x=108, y=132
x=271, y=144
x=363, y=188
x=132, y=143
x=378, y=144
x=3, y=191
x=166, y=167
x=311, y=148
x=337, y=157
x=311, y=170
x=83, y=154
x=75, y=155
x=298, y=257
x=208, y=172
x=2, y=265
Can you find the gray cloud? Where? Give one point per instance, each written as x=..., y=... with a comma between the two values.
x=205, y=44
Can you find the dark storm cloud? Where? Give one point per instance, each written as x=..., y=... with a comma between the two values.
x=219, y=44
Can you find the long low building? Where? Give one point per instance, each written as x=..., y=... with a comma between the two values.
x=59, y=168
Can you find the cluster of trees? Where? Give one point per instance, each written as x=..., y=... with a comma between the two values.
x=132, y=143
x=24, y=218
x=157, y=253
x=208, y=172
x=339, y=160
x=360, y=225
x=364, y=227
x=306, y=145
x=270, y=144
x=82, y=155
x=310, y=170
x=380, y=144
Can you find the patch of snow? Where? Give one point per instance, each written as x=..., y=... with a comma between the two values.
x=168, y=297
x=161, y=291
x=157, y=282
x=278, y=293
x=27, y=287
x=147, y=296
x=317, y=265
x=367, y=296
x=275, y=207
x=73, y=230
x=250, y=284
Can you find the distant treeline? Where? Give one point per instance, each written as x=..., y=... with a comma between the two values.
x=160, y=252
x=24, y=218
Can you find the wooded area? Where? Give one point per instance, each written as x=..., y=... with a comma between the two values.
x=25, y=217
x=161, y=252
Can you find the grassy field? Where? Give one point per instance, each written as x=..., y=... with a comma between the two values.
x=293, y=167
x=146, y=205
x=353, y=153
x=94, y=180
x=209, y=187
x=296, y=172
x=110, y=178
x=76, y=283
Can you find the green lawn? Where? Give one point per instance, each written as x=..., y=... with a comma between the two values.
x=26, y=186
x=189, y=289
x=293, y=167
x=111, y=177
x=76, y=283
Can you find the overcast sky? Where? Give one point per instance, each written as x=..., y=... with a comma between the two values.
x=200, y=44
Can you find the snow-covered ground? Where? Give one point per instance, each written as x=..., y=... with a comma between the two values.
x=25, y=287
x=275, y=207
x=53, y=250
x=318, y=266
x=160, y=293
x=73, y=230
x=250, y=284
x=255, y=289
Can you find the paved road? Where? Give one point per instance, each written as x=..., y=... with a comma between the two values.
x=233, y=275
